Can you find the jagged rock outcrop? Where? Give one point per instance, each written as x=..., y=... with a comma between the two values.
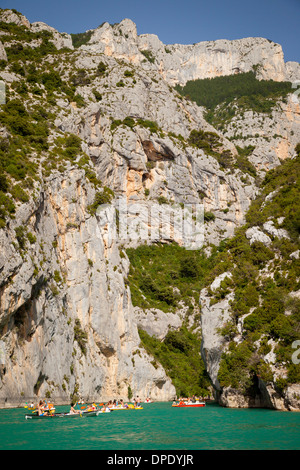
x=293, y=71
x=213, y=317
x=222, y=57
x=157, y=323
x=12, y=16
x=267, y=397
x=179, y=63
x=273, y=135
x=60, y=40
x=133, y=159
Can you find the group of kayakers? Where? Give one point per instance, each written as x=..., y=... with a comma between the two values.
x=113, y=404
x=90, y=407
x=43, y=408
x=192, y=399
x=105, y=407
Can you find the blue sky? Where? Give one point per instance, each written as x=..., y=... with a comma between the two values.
x=176, y=21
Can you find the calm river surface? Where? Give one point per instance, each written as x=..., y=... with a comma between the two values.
x=157, y=427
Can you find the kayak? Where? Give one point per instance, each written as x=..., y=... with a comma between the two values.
x=130, y=407
x=85, y=414
x=119, y=408
x=189, y=405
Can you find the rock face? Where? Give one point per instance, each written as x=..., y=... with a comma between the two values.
x=11, y=16
x=67, y=324
x=3, y=55
x=157, y=323
x=60, y=40
x=253, y=129
x=213, y=318
x=179, y=63
x=132, y=160
x=76, y=331
x=293, y=71
x=267, y=398
x=214, y=58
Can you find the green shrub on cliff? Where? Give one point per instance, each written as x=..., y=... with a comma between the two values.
x=102, y=197
x=179, y=354
x=162, y=275
x=80, y=39
x=80, y=336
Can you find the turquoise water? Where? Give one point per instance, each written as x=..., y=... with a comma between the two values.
x=157, y=427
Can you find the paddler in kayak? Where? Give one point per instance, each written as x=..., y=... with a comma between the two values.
x=72, y=409
x=41, y=409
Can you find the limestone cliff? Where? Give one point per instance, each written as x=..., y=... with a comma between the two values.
x=179, y=63
x=66, y=315
x=102, y=123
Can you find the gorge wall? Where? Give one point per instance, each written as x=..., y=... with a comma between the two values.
x=67, y=323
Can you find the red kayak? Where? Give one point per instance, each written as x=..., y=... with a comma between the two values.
x=183, y=404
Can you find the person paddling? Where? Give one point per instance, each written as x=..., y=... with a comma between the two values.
x=72, y=409
x=41, y=409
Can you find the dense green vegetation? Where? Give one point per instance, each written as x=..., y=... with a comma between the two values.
x=79, y=39
x=21, y=38
x=224, y=98
x=28, y=135
x=259, y=95
x=179, y=354
x=242, y=161
x=285, y=180
x=163, y=275
x=32, y=127
x=28, y=56
x=228, y=97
